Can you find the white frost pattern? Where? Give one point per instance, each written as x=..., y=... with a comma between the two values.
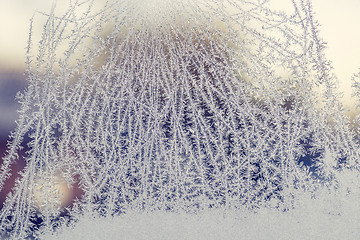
x=179, y=106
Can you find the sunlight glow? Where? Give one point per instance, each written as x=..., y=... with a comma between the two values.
x=52, y=191
x=339, y=32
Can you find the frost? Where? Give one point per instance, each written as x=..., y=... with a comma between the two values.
x=180, y=107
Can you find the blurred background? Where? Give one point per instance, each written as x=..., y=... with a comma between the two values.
x=339, y=28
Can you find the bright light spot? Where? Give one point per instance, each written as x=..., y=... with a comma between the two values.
x=52, y=192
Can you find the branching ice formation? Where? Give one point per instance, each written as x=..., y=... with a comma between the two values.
x=176, y=106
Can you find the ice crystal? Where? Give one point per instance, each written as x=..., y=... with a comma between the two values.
x=176, y=106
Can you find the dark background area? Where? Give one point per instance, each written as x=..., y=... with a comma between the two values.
x=10, y=84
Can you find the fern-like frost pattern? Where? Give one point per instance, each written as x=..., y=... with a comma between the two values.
x=177, y=106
